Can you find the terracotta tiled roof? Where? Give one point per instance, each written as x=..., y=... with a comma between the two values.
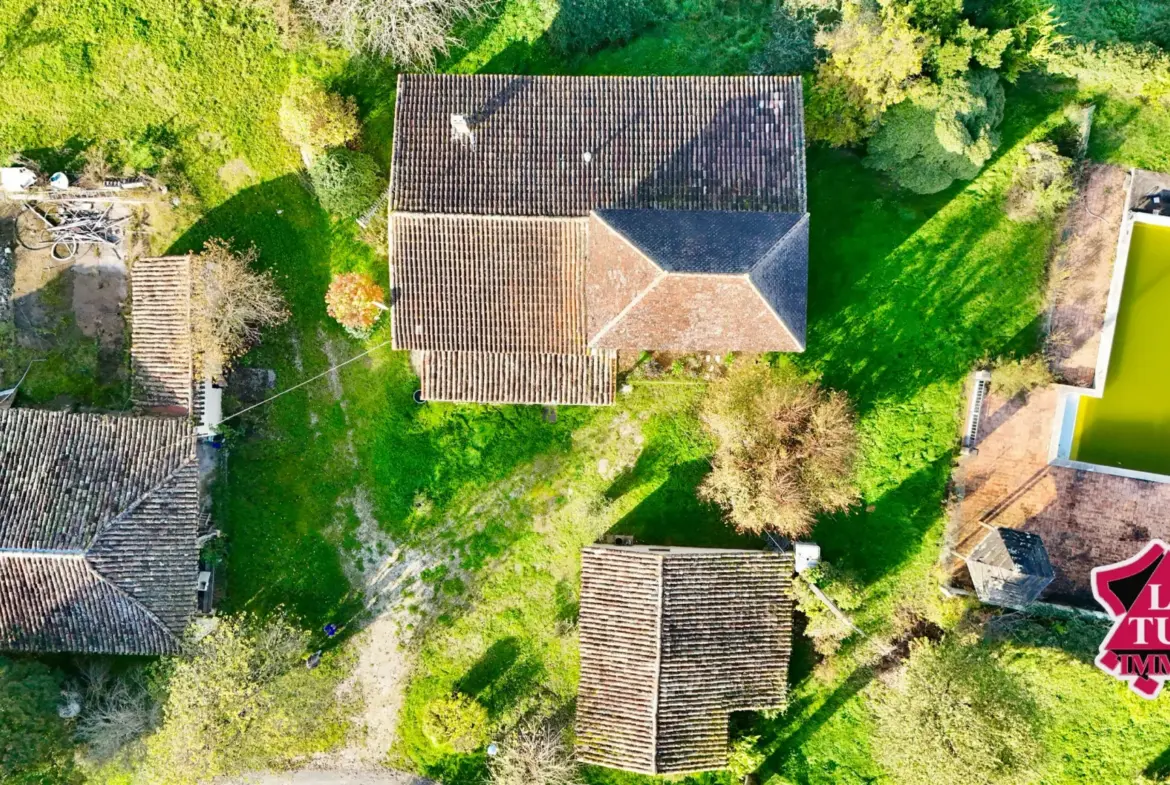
x=487, y=284
x=160, y=336
x=672, y=641
x=98, y=518
x=518, y=377
x=554, y=145
x=546, y=215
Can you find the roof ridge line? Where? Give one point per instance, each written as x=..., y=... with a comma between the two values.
x=40, y=553
x=129, y=598
x=590, y=342
x=492, y=216
x=135, y=505
x=803, y=219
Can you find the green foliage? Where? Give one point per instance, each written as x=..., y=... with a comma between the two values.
x=588, y=25
x=1012, y=377
x=792, y=48
x=314, y=119
x=1042, y=186
x=872, y=58
x=784, y=450
x=1128, y=70
x=34, y=741
x=456, y=723
x=956, y=716
x=347, y=182
x=1109, y=21
x=241, y=699
x=941, y=134
x=825, y=628
x=744, y=757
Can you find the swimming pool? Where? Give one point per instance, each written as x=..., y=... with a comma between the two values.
x=1128, y=427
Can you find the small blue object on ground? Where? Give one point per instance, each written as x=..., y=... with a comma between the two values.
x=330, y=630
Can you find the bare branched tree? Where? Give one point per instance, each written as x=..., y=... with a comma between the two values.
x=411, y=32
x=536, y=754
x=117, y=710
x=785, y=450
x=229, y=304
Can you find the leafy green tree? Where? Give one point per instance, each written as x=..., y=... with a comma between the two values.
x=314, y=119
x=346, y=182
x=784, y=450
x=943, y=133
x=456, y=723
x=34, y=741
x=873, y=58
x=241, y=698
x=957, y=716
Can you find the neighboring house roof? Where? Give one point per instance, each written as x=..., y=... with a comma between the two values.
x=161, y=353
x=1010, y=567
x=672, y=641
x=98, y=520
x=571, y=215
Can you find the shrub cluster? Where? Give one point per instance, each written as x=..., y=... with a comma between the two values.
x=347, y=182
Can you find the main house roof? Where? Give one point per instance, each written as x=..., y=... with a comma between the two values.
x=98, y=520
x=584, y=215
x=672, y=641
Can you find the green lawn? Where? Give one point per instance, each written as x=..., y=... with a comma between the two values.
x=906, y=293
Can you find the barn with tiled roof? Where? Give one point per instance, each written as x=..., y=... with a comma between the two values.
x=98, y=523
x=673, y=640
x=539, y=225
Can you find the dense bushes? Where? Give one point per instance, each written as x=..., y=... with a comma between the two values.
x=784, y=453
x=34, y=741
x=346, y=182
x=240, y=699
x=587, y=25
x=944, y=133
x=956, y=716
x=1011, y=377
x=1042, y=187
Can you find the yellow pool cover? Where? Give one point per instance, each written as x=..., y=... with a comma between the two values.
x=1129, y=426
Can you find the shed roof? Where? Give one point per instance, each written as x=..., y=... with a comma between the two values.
x=98, y=519
x=161, y=352
x=672, y=641
x=1010, y=567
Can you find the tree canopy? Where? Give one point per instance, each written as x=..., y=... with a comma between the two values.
x=942, y=133
x=34, y=741
x=957, y=716
x=785, y=449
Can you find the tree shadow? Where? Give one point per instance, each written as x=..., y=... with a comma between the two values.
x=672, y=514
x=501, y=674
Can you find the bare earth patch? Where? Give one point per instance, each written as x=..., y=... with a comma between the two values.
x=1081, y=274
x=237, y=174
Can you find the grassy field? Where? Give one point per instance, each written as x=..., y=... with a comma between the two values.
x=906, y=292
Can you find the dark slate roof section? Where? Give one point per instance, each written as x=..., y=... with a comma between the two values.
x=672, y=641
x=781, y=277
x=562, y=146
x=98, y=522
x=1010, y=568
x=701, y=241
